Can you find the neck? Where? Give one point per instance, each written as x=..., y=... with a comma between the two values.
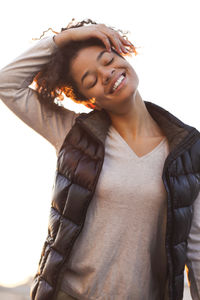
x=136, y=122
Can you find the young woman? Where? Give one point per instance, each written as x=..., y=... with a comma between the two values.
x=124, y=218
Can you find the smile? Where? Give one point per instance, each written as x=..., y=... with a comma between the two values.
x=119, y=83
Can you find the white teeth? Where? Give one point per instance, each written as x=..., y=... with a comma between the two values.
x=117, y=83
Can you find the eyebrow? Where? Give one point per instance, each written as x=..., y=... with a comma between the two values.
x=98, y=58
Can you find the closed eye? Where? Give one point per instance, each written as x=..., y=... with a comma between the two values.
x=110, y=61
x=92, y=84
x=96, y=79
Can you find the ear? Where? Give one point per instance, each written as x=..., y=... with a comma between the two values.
x=91, y=103
x=97, y=107
x=92, y=106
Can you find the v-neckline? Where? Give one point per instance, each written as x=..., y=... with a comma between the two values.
x=138, y=158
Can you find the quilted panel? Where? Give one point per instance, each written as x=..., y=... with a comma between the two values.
x=83, y=142
x=68, y=160
x=84, y=174
x=52, y=267
x=179, y=257
x=54, y=221
x=182, y=224
x=34, y=286
x=74, y=136
x=184, y=189
x=66, y=232
x=184, y=164
x=195, y=157
x=44, y=291
x=77, y=201
x=179, y=287
x=86, y=144
x=43, y=257
x=60, y=190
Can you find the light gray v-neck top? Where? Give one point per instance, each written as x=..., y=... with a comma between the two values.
x=122, y=209
x=120, y=253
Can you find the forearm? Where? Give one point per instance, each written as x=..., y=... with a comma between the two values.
x=21, y=71
x=63, y=37
x=15, y=92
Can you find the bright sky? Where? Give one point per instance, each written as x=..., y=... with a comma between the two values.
x=168, y=67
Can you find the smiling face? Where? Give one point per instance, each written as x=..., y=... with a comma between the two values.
x=105, y=76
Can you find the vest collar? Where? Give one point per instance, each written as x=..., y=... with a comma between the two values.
x=98, y=123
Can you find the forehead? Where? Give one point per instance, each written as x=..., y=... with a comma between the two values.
x=85, y=56
x=90, y=50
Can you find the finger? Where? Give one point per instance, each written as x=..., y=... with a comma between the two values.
x=125, y=42
x=121, y=42
x=112, y=35
x=122, y=45
x=105, y=40
x=116, y=43
x=131, y=47
x=123, y=49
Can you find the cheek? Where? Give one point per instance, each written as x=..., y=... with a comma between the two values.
x=134, y=74
x=79, y=88
x=96, y=92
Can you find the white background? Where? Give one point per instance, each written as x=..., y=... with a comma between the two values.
x=168, y=66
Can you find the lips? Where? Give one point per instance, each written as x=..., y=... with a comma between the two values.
x=114, y=80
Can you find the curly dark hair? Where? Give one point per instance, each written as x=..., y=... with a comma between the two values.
x=54, y=78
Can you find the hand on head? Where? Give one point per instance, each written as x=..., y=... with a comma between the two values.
x=70, y=41
x=111, y=38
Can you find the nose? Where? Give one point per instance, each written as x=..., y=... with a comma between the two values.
x=106, y=74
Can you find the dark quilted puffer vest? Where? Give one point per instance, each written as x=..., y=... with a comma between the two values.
x=79, y=164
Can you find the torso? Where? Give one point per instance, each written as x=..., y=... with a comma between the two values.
x=144, y=145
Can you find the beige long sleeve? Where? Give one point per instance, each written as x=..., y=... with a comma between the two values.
x=22, y=100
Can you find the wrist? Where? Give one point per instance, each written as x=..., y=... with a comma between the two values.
x=62, y=38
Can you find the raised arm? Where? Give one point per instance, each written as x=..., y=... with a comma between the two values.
x=16, y=77
x=15, y=92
